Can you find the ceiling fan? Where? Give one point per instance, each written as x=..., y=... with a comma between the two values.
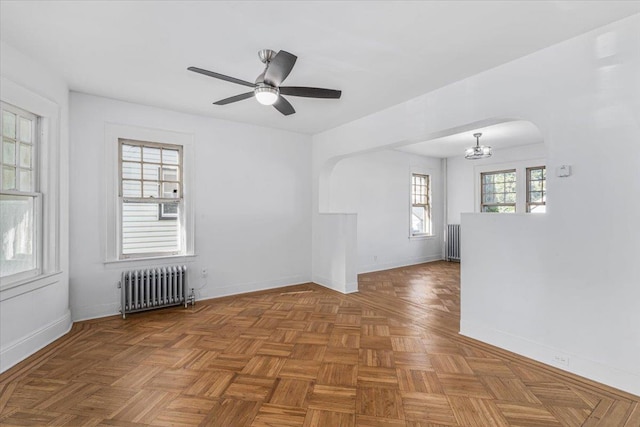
x=267, y=89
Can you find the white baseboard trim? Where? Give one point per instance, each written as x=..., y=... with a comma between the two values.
x=202, y=293
x=370, y=268
x=243, y=288
x=96, y=311
x=596, y=371
x=328, y=283
x=19, y=350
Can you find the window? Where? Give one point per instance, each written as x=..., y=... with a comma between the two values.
x=150, y=193
x=420, y=207
x=20, y=202
x=498, y=193
x=536, y=189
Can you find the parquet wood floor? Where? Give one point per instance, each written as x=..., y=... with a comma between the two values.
x=302, y=356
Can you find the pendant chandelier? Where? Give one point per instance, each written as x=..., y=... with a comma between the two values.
x=478, y=151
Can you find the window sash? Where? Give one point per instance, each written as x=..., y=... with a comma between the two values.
x=543, y=188
x=23, y=135
x=143, y=229
x=420, y=198
x=159, y=180
x=485, y=206
x=35, y=229
x=21, y=144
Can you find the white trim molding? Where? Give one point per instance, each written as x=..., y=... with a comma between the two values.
x=111, y=218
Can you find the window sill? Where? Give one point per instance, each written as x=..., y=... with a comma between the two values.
x=23, y=286
x=145, y=260
x=421, y=236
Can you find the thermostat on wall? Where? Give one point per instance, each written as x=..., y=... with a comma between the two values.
x=563, y=171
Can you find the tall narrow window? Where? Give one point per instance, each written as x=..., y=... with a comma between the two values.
x=498, y=191
x=20, y=201
x=536, y=189
x=151, y=193
x=420, y=207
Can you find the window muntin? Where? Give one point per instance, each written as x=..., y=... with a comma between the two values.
x=537, y=189
x=20, y=202
x=498, y=191
x=420, y=205
x=150, y=192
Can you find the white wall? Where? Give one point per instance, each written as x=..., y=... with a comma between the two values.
x=376, y=186
x=37, y=312
x=335, y=252
x=251, y=197
x=462, y=176
x=583, y=295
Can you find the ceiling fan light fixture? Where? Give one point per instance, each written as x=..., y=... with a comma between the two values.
x=478, y=151
x=266, y=95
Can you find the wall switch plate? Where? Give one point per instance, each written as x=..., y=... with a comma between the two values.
x=563, y=171
x=204, y=272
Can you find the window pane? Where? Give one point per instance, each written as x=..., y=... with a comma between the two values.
x=9, y=124
x=25, y=129
x=17, y=250
x=150, y=189
x=144, y=232
x=170, y=156
x=8, y=178
x=536, y=185
x=132, y=188
x=25, y=180
x=170, y=190
x=510, y=176
x=25, y=156
x=9, y=152
x=131, y=152
x=150, y=154
x=151, y=172
x=536, y=174
x=510, y=198
x=536, y=196
x=418, y=219
x=170, y=173
x=131, y=170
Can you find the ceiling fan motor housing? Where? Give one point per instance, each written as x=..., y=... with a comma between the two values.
x=266, y=55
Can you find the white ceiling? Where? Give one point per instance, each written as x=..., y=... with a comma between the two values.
x=378, y=53
x=498, y=137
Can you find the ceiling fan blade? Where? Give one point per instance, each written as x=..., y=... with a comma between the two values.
x=221, y=76
x=284, y=107
x=310, y=92
x=234, y=98
x=279, y=68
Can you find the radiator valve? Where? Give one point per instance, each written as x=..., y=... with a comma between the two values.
x=192, y=297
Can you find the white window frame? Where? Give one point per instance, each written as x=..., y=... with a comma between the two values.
x=48, y=185
x=503, y=204
x=531, y=204
x=159, y=200
x=34, y=193
x=429, y=208
x=520, y=167
x=113, y=214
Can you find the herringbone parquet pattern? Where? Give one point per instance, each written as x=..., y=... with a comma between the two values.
x=302, y=356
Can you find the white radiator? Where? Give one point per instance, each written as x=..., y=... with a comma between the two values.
x=453, y=242
x=153, y=288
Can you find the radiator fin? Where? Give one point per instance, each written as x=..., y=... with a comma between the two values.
x=153, y=288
